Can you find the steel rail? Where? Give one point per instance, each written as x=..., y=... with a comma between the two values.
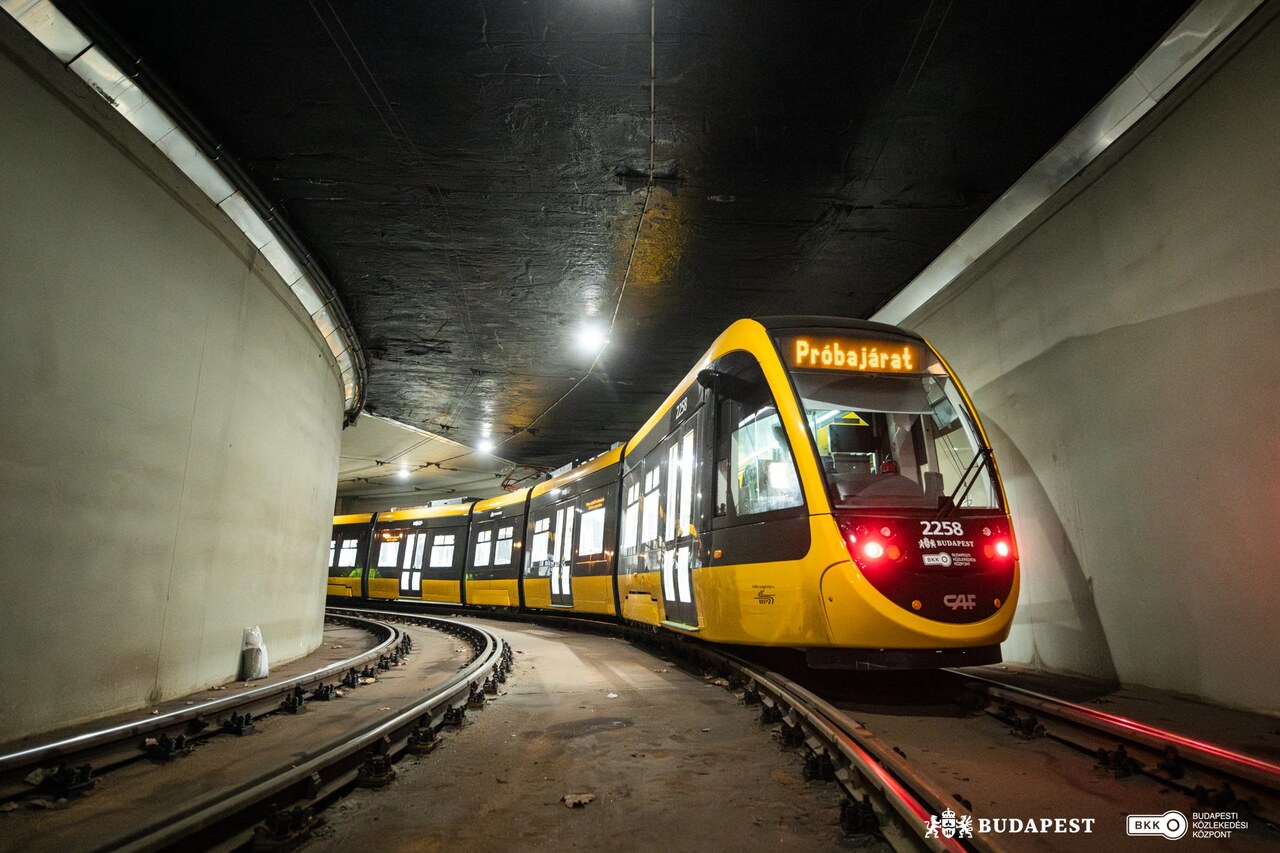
x=1212, y=756
x=64, y=747
x=886, y=771
x=1252, y=774
x=226, y=819
x=911, y=797
x=905, y=799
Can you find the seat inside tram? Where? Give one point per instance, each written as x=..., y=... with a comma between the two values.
x=887, y=440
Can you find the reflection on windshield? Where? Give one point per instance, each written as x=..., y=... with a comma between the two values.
x=893, y=440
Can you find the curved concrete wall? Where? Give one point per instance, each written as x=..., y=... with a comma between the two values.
x=1124, y=356
x=170, y=425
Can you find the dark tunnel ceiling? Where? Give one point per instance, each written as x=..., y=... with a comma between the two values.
x=472, y=176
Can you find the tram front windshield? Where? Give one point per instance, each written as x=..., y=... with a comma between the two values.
x=896, y=439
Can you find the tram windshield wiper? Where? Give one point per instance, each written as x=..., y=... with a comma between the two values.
x=967, y=481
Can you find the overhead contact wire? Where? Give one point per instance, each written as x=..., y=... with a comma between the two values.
x=644, y=210
x=906, y=64
x=382, y=106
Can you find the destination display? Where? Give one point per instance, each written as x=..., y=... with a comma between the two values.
x=854, y=354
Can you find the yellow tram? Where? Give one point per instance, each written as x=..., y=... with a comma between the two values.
x=815, y=483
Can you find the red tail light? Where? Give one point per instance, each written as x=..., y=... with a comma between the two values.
x=868, y=546
x=998, y=547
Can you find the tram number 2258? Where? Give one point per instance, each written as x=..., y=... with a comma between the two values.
x=941, y=528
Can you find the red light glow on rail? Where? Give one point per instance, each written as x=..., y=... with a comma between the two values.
x=1161, y=736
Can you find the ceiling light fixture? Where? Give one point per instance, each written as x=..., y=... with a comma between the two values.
x=485, y=445
x=592, y=338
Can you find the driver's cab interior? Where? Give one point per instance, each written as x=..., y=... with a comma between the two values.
x=877, y=455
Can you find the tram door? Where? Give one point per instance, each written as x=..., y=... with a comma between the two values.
x=411, y=565
x=562, y=557
x=678, y=528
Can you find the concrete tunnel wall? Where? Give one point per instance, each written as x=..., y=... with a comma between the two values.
x=170, y=426
x=1124, y=357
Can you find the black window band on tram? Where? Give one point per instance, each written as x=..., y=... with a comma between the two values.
x=890, y=426
x=759, y=510
x=501, y=530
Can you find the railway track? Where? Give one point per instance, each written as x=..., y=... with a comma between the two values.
x=275, y=806
x=894, y=797
x=886, y=796
x=1214, y=777
x=109, y=747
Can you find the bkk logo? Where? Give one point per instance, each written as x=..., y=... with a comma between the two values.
x=1172, y=824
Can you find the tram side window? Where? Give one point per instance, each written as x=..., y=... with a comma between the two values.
x=679, y=499
x=591, y=533
x=483, y=545
x=388, y=553
x=502, y=556
x=652, y=497
x=347, y=553
x=755, y=470
x=541, y=548
x=413, y=550
x=344, y=553
x=673, y=465
x=684, y=519
x=631, y=517
x=442, y=551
